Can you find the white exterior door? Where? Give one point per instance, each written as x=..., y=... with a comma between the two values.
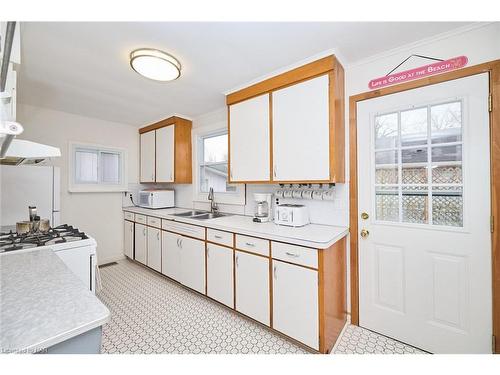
x=128, y=241
x=249, y=140
x=165, y=154
x=220, y=274
x=171, y=255
x=252, y=286
x=148, y=157
x=193, y=263
x=141, y=243
x=295, y=302
x=154, y=249
x=301, y=131
x=424, y=183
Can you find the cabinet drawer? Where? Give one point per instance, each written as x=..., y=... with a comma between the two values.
x=128, y=215
x=140, y=219
x=252, y=244
x=154, y=222
x=304, y=256
x=220, y=237
x=186, y=229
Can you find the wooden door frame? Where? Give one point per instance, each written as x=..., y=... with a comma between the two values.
x=493, y=68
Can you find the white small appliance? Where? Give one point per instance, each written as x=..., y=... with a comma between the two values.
x=156, y=198
x=293, y=215
x=263, y=210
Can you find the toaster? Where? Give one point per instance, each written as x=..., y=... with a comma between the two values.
x=293, y=215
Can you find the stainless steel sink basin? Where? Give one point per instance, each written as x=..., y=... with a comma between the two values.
x=208, y=215
x=190, y=213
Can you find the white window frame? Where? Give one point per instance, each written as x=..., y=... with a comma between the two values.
x=198, y=134
x=85, y=187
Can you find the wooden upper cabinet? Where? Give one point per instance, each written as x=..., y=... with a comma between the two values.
x=303, y=140
x=166, y=151
x=301, y=146
x=249, y=140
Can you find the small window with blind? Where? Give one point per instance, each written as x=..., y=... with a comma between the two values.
x=96, y=168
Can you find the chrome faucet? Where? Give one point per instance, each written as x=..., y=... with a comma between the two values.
x=211, y=198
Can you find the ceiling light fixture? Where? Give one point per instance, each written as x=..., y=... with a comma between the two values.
x=155, y=64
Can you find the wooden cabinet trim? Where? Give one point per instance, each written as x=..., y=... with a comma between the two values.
x=302, y=73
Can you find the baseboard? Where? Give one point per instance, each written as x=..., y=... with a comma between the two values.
x=110, y=259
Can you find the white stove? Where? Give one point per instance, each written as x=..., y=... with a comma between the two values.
x=75, y=248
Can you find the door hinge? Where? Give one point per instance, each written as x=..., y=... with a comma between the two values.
x=492, y=224
x=490, y=103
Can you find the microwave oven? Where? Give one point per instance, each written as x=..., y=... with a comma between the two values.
x=155, y=198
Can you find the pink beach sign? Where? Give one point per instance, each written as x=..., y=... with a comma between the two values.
x=423, y=71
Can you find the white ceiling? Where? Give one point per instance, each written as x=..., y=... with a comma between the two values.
x=83, y=68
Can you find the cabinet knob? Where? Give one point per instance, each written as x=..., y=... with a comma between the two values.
x=274, y=170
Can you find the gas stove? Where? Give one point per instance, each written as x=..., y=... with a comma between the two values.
x=10, y=241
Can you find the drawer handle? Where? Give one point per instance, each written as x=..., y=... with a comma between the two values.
x=218, y=237
x=208, y=252
x=292, y=254
x=236, y=261
x=274, y=273
x=250, y=244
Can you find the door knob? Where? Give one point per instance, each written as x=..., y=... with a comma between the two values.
x=364, y=216
x=364, y=233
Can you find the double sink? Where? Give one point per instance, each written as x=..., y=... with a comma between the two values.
x=200, y=215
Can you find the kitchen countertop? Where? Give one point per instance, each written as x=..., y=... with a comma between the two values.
x=312, y=235
x=43, y=303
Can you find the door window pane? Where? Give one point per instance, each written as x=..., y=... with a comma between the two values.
x=387, y=203
x=447, y=174
x=386, y=175
x=447, y=206
x=416, y=174
x=414, y=155
x=446, y=122
x=414, y=127
x=447, y=153
x=386, y=131
x=415, y=204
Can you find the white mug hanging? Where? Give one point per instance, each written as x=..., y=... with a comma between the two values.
x=287, y=193
x=297, y=194
x=317, y=195
x=328, y=195
x=307, y=194
x=279, y=193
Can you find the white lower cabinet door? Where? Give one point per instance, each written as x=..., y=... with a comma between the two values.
x=220, y=274
x=154, y=249
x=193, y=263
x=128, y=240
x=252, y=286
x=171, y=255
x=295, y=302
x=141, y=243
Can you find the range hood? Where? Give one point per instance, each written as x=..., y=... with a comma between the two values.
x=26, y=152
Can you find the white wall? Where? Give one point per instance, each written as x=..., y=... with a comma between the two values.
x=98, y=214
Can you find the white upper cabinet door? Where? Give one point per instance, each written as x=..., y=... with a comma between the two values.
x=249, y=140
x=141, y=241
x=193, y=263
x=301, y=131
x=165, y=154
x=128, y=242
x=252, y=286
x=148, y=157
x=295, y=302
x=220, y=274
x=171, y=255
x=154, y=249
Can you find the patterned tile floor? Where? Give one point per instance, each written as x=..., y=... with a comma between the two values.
x=151, y=314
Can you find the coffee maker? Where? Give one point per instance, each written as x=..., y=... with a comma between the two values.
x=262, y=207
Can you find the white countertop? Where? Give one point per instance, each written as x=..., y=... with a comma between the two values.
x=311, y=235
x=42, y=303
